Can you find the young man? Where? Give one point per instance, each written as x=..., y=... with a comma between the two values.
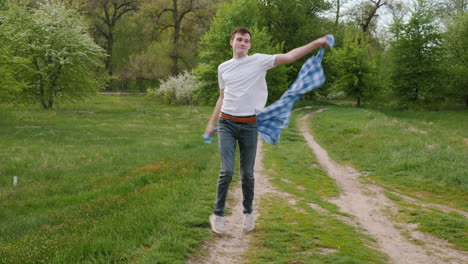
x=243, y=93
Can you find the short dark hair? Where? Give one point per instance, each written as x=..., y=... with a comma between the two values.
x=241, y=30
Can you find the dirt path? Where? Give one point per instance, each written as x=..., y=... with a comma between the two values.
x=230, y=247
x=367, y=203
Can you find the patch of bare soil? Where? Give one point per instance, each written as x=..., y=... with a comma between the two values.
x=367, y=203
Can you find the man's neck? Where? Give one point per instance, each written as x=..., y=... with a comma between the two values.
x=239, y=56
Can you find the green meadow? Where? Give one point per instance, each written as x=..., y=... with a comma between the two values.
x=115, y=179
x=381, y=144
x=123, y=179
x=421, y=154
x=300, y=233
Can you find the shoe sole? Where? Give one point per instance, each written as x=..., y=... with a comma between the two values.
x=247, y=230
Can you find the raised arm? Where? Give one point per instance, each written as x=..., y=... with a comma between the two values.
x=300, y=52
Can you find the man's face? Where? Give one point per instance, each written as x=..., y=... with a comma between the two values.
x=240, y=45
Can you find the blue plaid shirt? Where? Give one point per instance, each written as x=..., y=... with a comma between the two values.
x=273, y=119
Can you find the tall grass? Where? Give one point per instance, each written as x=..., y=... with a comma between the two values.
x=118, y=179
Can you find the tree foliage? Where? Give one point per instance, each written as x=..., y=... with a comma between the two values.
x=105, y=15
x=57, y=56
x=284, y=19
x=456, y=60
x=10, y=65
x=365, y=14
x=182, y=20
x=417, y=58
x=158, y=40
x=422, y=60
x=353, y=67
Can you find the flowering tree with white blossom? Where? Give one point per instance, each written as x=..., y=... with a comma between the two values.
x=60, y=59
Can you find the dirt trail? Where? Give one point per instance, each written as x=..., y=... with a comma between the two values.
x=230, y=247
x=367, y=202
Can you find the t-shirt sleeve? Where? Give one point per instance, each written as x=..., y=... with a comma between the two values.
x=220, y=79
x=266, y=60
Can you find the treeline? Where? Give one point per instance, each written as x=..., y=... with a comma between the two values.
x=54, y=50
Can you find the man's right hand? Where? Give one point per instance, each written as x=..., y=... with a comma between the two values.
x=210, y=130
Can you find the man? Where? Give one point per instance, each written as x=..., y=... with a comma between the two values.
x=243, y=93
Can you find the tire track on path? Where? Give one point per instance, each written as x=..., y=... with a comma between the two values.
x=366, y=202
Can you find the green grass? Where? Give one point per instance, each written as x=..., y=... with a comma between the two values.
x=452, y=227
x=297, y=233
x=117, y=179
x=423, y=154
x=124, y=179
x=420, y=154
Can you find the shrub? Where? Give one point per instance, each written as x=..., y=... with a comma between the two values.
x=176, y=89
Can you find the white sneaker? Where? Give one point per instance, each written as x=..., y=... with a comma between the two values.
x=217, y=224
x=249, y=222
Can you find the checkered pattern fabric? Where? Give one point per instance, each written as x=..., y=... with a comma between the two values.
x=273, y=119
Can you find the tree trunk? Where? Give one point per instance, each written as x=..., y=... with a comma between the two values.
x=109, y=48
x=47, y=103
x=337, y=17
x=113, y=10
x=377, y=5
x=43, y=103
x=358, y=101
x=175, y=39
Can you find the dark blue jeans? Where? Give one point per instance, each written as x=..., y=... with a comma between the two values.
x=229, y=135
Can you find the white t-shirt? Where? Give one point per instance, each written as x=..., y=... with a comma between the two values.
x=244, y=84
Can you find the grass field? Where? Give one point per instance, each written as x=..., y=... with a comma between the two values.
x=116, y=179
x=122, y=179
x=423, y=155
x=384, y=144
x=301, y=233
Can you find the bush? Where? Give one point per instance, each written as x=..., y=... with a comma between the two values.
x=176, y=89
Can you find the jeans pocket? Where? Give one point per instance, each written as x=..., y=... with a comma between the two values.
x=253, y=125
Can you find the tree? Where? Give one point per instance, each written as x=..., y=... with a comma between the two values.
x=215, y=49
x=105, y=14
x=294, y=22
x=417, y=57
x=338, y=4
x=365, y=14
x=398, y=12
x=10, y=85
x=183, y=20
x=59, y=56
x=452, y=8
x=352, y=67
x=456, y=60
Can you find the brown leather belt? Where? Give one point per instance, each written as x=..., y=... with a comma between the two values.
x=239, y=119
